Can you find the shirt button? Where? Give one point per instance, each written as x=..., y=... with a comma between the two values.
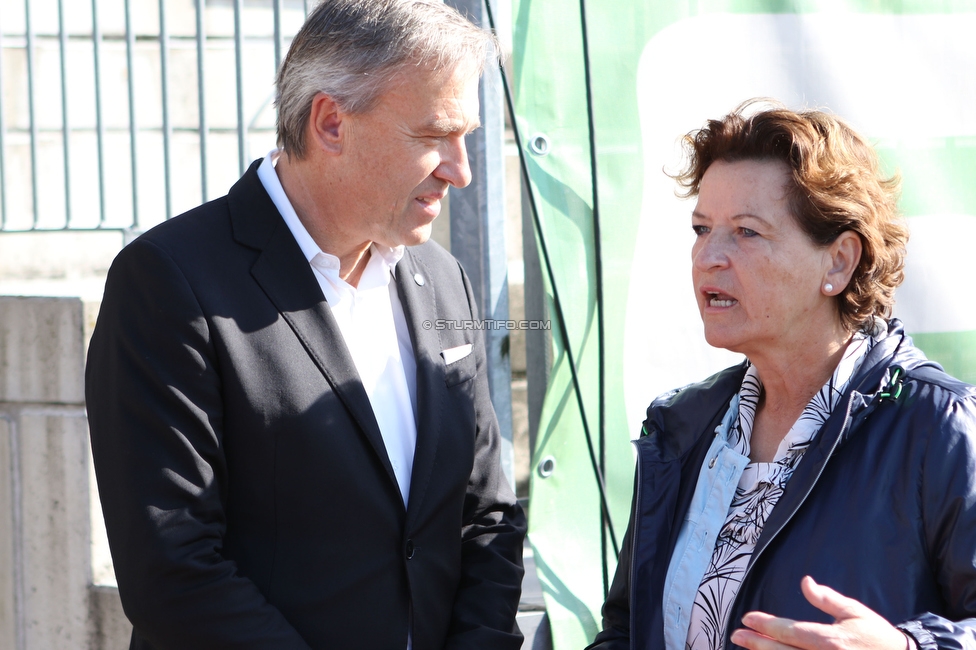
x=711, y=463
x=409, y=549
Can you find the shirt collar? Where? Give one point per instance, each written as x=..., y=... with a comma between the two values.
x=272, y=185
x=816, y=411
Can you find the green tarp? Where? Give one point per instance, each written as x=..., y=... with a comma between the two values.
x=903, y=73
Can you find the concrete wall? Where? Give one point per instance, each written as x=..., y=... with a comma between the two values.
x=47, y=599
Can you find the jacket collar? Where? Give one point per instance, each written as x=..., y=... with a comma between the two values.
x=687, y=413
x=690, y=412
x=416, y=288
x=253, y=215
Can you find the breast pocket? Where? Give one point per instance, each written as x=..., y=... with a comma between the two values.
x=460, y=370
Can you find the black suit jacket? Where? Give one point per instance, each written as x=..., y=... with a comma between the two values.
x=247, y=492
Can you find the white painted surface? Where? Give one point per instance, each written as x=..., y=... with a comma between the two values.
x=889, y=76
x=939, y=269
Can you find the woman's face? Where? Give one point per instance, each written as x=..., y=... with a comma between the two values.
x=758, y=278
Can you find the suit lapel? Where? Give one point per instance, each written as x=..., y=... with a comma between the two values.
x=419, y=305
x=286, y=277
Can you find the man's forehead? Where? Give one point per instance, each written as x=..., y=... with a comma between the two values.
x=451, y=115
x=460, y=79
x=438, y=100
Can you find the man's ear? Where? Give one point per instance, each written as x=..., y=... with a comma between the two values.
x=845, y=255
x=325, y=124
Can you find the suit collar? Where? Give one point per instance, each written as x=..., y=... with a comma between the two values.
x=253, y=215
x=310, y=249
x=415, y=288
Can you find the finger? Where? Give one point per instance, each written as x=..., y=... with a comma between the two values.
x=766, y=623
x=754, y=641
x=831, y=602
x=790, y=633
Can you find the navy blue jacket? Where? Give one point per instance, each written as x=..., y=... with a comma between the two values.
x=882, y=507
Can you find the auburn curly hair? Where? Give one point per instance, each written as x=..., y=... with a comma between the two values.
x=837, y=185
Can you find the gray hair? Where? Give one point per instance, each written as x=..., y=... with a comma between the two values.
x=351, y=50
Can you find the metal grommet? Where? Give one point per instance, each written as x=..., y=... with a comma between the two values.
x=711, y=463
x=539, y=144
x=546, y=466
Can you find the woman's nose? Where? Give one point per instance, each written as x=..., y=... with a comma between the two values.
x=710, y=251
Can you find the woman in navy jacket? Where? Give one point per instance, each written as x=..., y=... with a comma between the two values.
x=823, y=493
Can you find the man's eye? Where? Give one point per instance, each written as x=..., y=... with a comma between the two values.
x=700, y=230
x=748, y=232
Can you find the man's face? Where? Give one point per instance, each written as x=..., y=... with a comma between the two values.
x=401, y=156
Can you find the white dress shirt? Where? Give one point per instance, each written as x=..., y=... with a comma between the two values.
x=373, y=326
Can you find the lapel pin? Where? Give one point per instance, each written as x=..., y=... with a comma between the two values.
x=419, y=279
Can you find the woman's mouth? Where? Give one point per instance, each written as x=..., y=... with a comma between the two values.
x=716, y=299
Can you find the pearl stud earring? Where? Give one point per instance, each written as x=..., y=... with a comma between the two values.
x=828, y=288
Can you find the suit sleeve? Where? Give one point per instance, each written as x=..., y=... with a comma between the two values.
x=948, y=494
x=153, y=389
x=492, y=535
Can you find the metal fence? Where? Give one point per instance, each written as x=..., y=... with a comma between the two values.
x=118, y=114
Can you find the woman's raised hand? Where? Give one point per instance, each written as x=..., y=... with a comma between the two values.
x=855, y=627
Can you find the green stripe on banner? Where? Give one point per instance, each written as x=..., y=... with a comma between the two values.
x=956, y=351
x=937, y=174
x=899, y=7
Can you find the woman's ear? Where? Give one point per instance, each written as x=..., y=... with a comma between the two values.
x=325, y=124
x=845, y=255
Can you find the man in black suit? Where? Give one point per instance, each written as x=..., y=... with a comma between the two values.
x=289, y=454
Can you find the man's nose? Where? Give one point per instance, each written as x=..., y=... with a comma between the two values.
x=454, y=168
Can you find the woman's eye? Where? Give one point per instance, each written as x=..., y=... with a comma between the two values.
x=700, y=230
x=748, y=232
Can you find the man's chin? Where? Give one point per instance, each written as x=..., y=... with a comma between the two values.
x=417, y=236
